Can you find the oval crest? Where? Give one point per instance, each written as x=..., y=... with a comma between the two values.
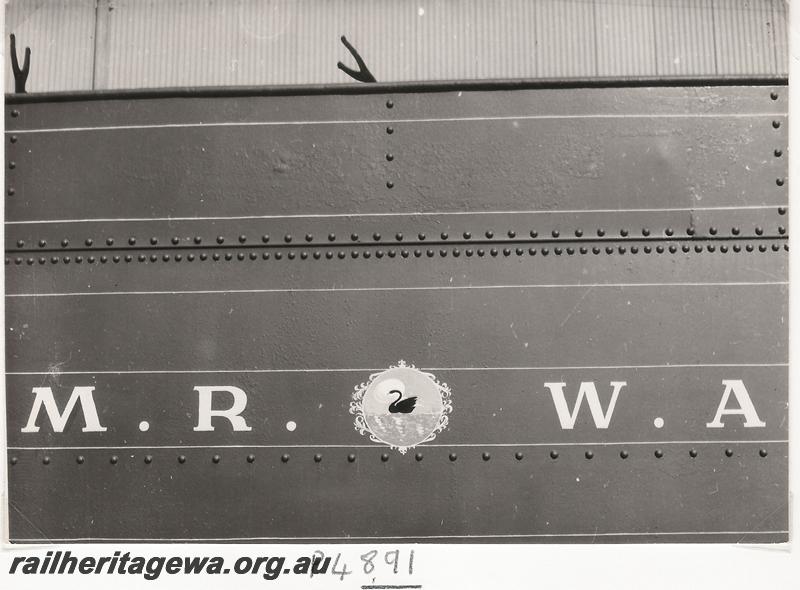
x=401, y=407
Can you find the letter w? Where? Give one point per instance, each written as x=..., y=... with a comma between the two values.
x=588, y=391
x=44, y=397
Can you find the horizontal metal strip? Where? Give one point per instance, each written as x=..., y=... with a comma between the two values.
x=397, y=87
x=410, y=120
x=437, y=288
x=374, y=370
x=376, y=446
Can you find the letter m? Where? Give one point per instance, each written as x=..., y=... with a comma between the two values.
x=44, y=399
x=588, y=392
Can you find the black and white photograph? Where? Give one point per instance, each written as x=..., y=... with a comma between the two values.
x=398, y=295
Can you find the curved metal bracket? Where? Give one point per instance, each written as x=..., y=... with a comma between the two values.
x=20, y=75
x=362, y=74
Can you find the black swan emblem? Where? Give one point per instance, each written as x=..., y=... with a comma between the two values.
x=406, y=406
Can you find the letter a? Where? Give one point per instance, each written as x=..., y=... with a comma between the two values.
x=589, y=391
x=44, y=398
x=746, y=408
x=232, y=414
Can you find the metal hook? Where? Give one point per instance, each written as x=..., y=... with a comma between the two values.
x=20, y=75
x=362, y=74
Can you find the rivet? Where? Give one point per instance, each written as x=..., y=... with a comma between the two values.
x=686, y=247
x=595, y=250
x=67, y=259
x=148, y=459
x=166, y=257
x=659, y=453
x=389, y=104
x=240, y=256
x=216, y=255
x=14, y=139
x=480, y=251
x=735, y=231
x=521, y=251
x=113, y=460
x=329, y=255
x=507, y=251
x=216, y=458
x=453, y=456
x=417, y=253
x=265, y=256
x=609, y=250
x=80, y=459
x=421, y=237
x=389, y=184
x=621, y=249
x=12, y=165
x=786, y=247
x=142, y=258
x=418, y=456
x=20, y=243
x=430, y=253
x=647, y=249
x=589, y=454
x=253, y=256
x=486, y=456
x=555, y=233
x=42, y=260
x=290, y=256
x=331, y=237
x=15, y=113
x=773, y=95
x=176, y=240
x=623, y=454
x=46, y=460
x=493, y=251
x=781, y=210
x=317, y=255
x=30, y=261
x=117, y=258
x=384, y=457
x=763, y=452
x=351, y=458
x=737, y=248
x=467, y=235
x=673, y=248
x=779, y=181
x=519, y=456
x=251, y=458
x=693, y=453
x=468, y=251
x=776, y=247
x=584, y=250
x=445, y=235
x=376, y=236
x=690, y=231
x=285, y=458
x=181, y=459
x=390, y=130
x=669, y=231
x=154, y=241
x=18, y=261
x=660, y=249
x=14, y=460
x=729, y=452
x=389, y=157
x=512, y=234
x=749, y=247
x=64, y=243
x=11, y=191
x=762, y=248
x=378, y=254
x=759, y=231
x=317, y=458
x=776, y=124
x=645, y=232
x=490, y=234
x=534, y=233
x=264, y=239
x=354, y=237
x=623, y=233
x=204, y=256
x=354, y=254
x=601, y=232
x=342, y=254
x=778, y=153
x=554, y=454
x=545, y=251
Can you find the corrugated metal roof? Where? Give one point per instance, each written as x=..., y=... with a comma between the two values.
x=162, y=43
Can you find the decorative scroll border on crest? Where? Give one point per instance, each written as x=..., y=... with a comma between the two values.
x=357, y=407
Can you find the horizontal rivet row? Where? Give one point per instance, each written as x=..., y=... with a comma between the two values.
x=554, y=454
x=735, y=231
x=568, y=250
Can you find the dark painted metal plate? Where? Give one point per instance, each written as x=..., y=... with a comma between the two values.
x=529, y=237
